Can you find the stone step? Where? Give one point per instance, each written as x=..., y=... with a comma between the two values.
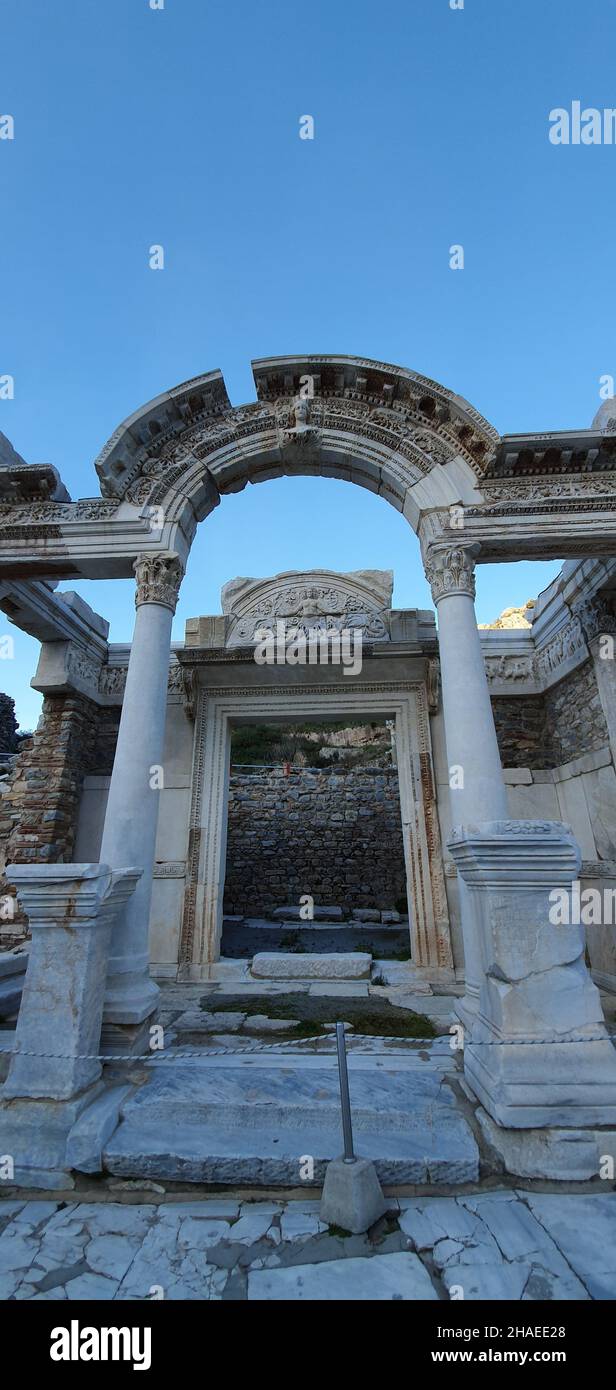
x=353, y=965
x=233, y=1124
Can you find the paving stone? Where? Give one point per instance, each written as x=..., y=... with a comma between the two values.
x=9, y=1282
x=341, y=989
x=9, y=1209
x=584, y=1229
x=17, y=1251
x=299, y=1225
x=260, y=1023
x=201, y=1234
x=199, y=1021
x=34, y=1213
x=377, y=1279
x=107, y=1218
x=111, y=1255
x=91, y=1286
x=251, y=1226
x=63, y=1244
x=429, y=1220
x=488, y=1280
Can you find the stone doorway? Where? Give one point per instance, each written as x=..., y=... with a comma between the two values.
x=218, y=712
x=315, y=853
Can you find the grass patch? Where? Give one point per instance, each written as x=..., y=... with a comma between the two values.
x=375, y=1017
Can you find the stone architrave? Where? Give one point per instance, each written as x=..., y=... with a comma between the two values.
x=535, y=983
x=129, y=834
x=55, y=1072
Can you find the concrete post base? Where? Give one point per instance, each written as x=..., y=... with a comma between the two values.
x=352, y=1196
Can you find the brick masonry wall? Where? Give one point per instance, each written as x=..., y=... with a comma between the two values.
x=545, y=731
x=334, y=834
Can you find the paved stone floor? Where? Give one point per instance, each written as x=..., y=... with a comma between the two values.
x=501, y=1244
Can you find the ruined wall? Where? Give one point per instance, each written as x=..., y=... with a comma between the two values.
x=550, y=730
x=520, y=730
x=39, y=806
x=575, y=722
x=334, y=834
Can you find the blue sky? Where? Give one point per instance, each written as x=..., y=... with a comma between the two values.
x=180, y=127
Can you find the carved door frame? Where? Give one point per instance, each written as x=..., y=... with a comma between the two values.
x=215, y=713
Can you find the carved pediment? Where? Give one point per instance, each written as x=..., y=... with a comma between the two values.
x=314, y=599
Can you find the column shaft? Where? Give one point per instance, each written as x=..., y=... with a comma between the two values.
x=129, y=835
x=476, y=785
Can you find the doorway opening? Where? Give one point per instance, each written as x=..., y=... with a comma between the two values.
x=315, y=853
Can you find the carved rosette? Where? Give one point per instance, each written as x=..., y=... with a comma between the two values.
x=158, y=579
x=450, y=569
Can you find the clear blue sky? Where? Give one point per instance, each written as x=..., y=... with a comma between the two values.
x=180, y=127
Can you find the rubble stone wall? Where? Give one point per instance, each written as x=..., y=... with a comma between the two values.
x=550, y=730
x=333, y=834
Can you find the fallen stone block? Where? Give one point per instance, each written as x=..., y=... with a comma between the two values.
x=199, y=1021
x=353, y=965
x=259, y=1023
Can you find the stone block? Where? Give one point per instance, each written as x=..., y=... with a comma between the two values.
x=557, y=1155
x=399, y=1276
x=354, y=965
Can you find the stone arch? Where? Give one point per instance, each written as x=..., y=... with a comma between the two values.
x=401, y=435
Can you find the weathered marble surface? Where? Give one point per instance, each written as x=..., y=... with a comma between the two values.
x=252, y=1121
x=496, y=1245
x=353, y=965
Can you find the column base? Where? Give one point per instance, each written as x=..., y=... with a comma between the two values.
x=131, y=996
x=127, y=1039
x=559, y=1155
x=34, y=1134
x=546, y=1084
x=536, y=993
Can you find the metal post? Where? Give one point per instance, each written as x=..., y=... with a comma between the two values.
x=345, y=1099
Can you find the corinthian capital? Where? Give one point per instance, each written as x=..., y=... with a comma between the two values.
x=450, y=569
x=595, y=616
x=158, y=579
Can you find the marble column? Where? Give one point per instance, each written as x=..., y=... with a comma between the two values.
x=129, y=835
x=477, y=788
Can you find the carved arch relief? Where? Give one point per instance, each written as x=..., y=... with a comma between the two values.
x=379, y=426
